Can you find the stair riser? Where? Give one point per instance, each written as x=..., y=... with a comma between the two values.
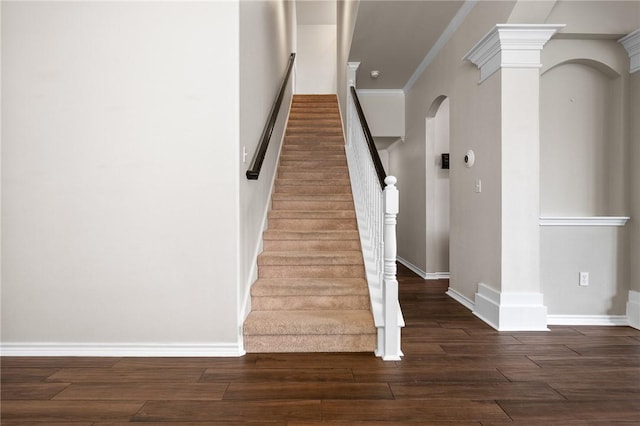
x=328, y=181
x=282, y=245
x=310, y=205
x=280, y=303
x=308, y=132
x=312, y=175
x=312, y=155
x=314, y=122
x=312, y=189
x=313, y=224
x=311, y=271
x=320, y=343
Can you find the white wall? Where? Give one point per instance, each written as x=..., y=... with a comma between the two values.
x=120, y=173
x=316, y=59
x=266, y=38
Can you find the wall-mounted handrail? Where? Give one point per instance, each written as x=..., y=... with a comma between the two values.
x=367, y=136
x=258, y=157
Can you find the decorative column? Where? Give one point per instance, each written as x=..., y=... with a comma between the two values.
x=631, y=43
x=512, y=53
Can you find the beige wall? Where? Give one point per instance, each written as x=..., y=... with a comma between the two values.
x=346, y=21
x=120, y=173
x=475, y=124
x=266, y=41
x=634, y=190
x=316, y=60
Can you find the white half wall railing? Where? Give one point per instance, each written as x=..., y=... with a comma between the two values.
x=376, y=200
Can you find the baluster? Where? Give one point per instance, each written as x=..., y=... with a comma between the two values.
x=390, y=289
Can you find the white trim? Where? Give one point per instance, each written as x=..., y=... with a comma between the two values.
x=122, y=349
x=600, y=320
x=510, y=311
x=448, y=32
x=510, y=46
x=413, y=267
x=584, y=221
x=245, y=306
x=424, y=275
x=633, y=309
x=460, y=298
x=631, y=43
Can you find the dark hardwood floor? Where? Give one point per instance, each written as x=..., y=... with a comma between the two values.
x=456, y=370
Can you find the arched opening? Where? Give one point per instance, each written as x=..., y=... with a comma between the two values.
x=437, y=188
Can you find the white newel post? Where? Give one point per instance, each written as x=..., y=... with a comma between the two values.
x=392, y=349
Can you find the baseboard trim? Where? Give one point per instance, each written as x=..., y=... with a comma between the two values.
x=463, y=300
x=510, y=311
x=424, y=275
x=121, y=350
x=605, y=320
x=633, y=309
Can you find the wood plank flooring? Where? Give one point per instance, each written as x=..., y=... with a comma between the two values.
x=456, y=370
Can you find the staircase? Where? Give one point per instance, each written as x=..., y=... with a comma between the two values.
x=311, y=294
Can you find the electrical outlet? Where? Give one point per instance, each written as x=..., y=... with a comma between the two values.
x=584, y=279
x=478, y=186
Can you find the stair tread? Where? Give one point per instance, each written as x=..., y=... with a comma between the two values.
x=281, y=234
x=313, y=197
x=309, y=286
x=317, y=257
x=311, y=214
x=309, y=322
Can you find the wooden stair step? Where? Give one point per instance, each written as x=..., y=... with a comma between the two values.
x=330, y=181
x=317, y=175
x=311, y=271
x=295, y=258
x=309, y=322
x=309, y=287
x=287, y=203
x=310, y=214
x=312, y=189
x=309, y=294
x=321, y=235
x=308, y=197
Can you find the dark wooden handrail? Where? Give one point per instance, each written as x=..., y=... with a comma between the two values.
x=367, y=135
x=258, y=157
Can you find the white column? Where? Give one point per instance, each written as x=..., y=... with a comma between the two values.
x=514, y=50
x=631, y=43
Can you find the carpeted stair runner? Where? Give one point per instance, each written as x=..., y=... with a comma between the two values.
x=311, y=294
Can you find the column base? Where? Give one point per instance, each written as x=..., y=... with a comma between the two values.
x=510, y=311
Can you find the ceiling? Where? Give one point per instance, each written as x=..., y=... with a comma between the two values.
x=316, y=12
x=381, y=40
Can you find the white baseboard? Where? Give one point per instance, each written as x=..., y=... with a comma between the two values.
x=424, y=275
x=122, y=350
x=458, y=297
x=633, y=309
x=587, y=320
x=510, y=311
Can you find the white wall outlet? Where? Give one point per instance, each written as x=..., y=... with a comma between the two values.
x=244, y=154
x=478, y=185
x=584, y=279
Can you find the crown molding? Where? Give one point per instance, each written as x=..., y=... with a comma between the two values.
x=510, y=46
x=631, y=43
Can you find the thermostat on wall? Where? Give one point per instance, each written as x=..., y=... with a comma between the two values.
x=469, y=158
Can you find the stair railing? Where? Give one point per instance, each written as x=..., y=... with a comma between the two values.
x=258, y=157
x=376, y=200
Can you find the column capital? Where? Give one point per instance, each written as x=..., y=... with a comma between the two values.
x=631, y=43
x=510, y=46
x=352, y=68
